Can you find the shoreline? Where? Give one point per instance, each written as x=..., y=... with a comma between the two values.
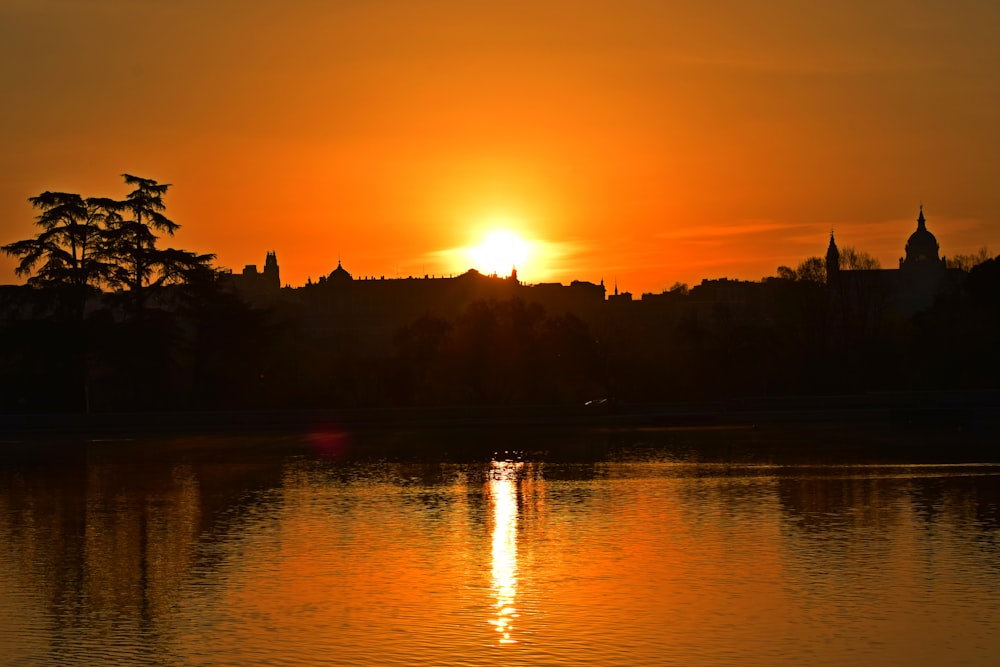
x=976, y=411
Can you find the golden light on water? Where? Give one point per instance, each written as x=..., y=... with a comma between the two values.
x=503, y=494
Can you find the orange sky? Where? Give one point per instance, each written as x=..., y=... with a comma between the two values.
x=643, y=142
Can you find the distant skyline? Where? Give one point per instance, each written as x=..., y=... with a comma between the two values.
x=640, y=142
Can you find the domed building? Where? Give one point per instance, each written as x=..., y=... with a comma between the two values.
x=922, y=275
x=921, y=248
x=340, y=275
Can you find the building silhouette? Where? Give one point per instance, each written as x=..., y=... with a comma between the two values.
x=369, y=310
x=922, y=275
x=255, y=284
x=348, y=340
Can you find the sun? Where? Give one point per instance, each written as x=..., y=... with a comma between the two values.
x=499, y=253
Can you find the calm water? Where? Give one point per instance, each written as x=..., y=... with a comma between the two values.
x=290, y=551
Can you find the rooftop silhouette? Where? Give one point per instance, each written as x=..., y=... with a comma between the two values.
x=180, y=337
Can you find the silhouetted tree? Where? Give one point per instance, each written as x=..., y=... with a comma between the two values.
x=967, y=262
x=89, y=243
x=852, y=259
x=812, y=269
x=70, y=253
x=787, y=273
x=68, y=262
x=983, y=284
x=571, y=367
x=799, y=320
x=86, y=244
x=416, y=378
x=138, y=263
x=495, y=352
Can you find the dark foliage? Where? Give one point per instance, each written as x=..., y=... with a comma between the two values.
x=204, y=348
x=173, y=335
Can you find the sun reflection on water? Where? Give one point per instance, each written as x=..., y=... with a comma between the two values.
x=503, y=493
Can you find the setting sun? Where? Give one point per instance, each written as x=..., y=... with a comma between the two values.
x=652, y=143
x=499, y=253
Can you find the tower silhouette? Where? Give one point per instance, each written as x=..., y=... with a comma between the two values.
x=832, y=260
x=271, y=274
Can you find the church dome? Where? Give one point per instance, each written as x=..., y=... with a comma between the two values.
x=340, y=274
x=921, y=246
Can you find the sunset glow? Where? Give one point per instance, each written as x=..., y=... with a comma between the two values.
x=499, y=253
x=651, y=141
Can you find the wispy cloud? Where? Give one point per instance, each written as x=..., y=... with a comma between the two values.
x=728, y=230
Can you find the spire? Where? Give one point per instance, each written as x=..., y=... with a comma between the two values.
x=832, y=259
x=922, y=248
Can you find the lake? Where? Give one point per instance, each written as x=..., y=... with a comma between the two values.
x=486, y=547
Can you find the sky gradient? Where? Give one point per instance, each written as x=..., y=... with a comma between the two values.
x=638, y=142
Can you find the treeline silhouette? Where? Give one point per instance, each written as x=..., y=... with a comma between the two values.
x=201, y=347
x=802, y=338
x=112, y=323
x=211, y=350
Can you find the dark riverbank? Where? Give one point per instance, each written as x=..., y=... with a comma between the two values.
x=972, y=412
